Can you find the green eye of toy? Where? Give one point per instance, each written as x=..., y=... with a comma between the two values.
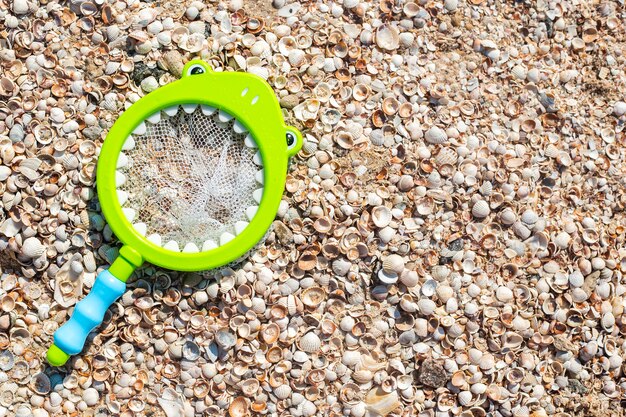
x=190, y=178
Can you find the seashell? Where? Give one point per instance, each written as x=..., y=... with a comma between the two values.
x=519, y=72
x=425, y=206
x=529, y=217
x=481, y=209
x=7, y=360
x=258, y=406
x=238, y=407
x=411, y=9
x=250, y=387
x=282, y=391
x=270, y=333
x=313, y=296
x=393, y=264
x=7, y=87
x=41, y=384
x=33, y=248
x=387, y=37
x=515, y=375
x=429, y=288
x=512, y=340
x=310, y=342
x=567, y=75
x=381, y=216
x=7, y=303
x=406, y=110
x=225, y=339
x=619, y=108
x=465, y=398
x=345, y=140
x=436, y=135
x=590, y=34
x=347, y=323
x=446, y=156
x=608, y=321
x=390, y=106
x=274, y=354
x=380, y=403
x=494, y=392
x=362, y=376
x=387, y=278
x=562, y=240
x=328, y=327
x=278, y=311
x=590, y=236
x=409, y=278
x=478, y=388
x=508, y=216
x=190, y=351
x=360, y=92
x=307, y=408
x=426, y=306
x=307, y=262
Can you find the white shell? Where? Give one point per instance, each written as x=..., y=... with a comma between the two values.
x=519, y=72
x=282, y=391
x=486, y=189
x=33, y=248
x=508, y=217
x=409, y=278
x=310, y=342
x=529, y=217
x=446, y=156
x=387, y=37
x=381, y=216
x=387, y=277
x=465, y=398
x=351, y=357
x=562, y=240
x=426, y=306
x=478, y=388
x=481, y=209
x=307, y=408
x=140, y=129
x=347, y=323
x=608, y=320
x=393, y=264
x=436, y=135
x=429, y=287
x=380, y=403
x=225, y=238
x=362, y=376
x=619, y=109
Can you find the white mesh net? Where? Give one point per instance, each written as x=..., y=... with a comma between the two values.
x=190, y=178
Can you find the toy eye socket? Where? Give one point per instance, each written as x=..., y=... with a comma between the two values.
x=195, y=70
x=291, y=140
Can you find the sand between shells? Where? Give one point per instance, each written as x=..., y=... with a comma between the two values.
x=450, y=241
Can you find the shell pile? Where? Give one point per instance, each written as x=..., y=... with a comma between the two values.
x=450, y=242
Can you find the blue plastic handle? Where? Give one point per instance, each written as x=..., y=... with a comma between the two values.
x=88, y=314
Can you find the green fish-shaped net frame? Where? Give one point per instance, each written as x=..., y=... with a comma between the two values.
x=253, y=104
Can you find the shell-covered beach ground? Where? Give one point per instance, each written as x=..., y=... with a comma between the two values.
x=450, y=240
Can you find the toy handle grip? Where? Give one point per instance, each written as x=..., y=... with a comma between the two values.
x=89, y=312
